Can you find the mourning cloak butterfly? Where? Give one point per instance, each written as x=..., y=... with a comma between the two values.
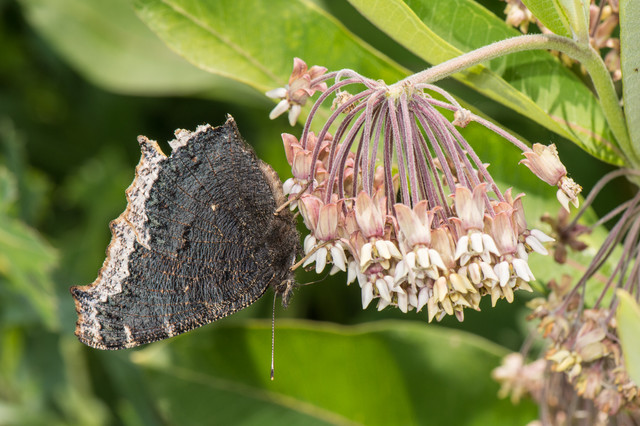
x=198, y=241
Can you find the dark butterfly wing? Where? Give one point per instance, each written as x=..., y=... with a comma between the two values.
x=198, y=241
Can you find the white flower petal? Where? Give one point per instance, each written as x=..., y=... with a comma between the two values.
x=521, y=269
x=435, y=258
x=523, y=285
x=382, y=303
x=401, y=272
x=352, y=272
x=287, y=185
x=423, y=298
x=432, y=309
x=541, y=236
x=476, y=242
x=282, y=106
x=508, y=293
x=503, y=273
x=390, y=283
x=447, y=306
x=410, y=259
x=496, y=294
x=423, y=257
x=461, y=247
x=458, y=283
x=334, y=270
x=367, y=294
x=403, y=302
x=413, y=297
x=393, y=250
x=309, y=260
x=530, y=272
x=383, y=250
x=488, y=272
x=536, y=245
x=490, y=245
x=294, y=113
x=383, y=289
x=321, y=259
x=563, y=199
x=309, y=243
x=339, y=258
x=440, y=289
x=278, y=93
x=474, y=273
x=362, y=278
x=365, y=255
x=521, y=251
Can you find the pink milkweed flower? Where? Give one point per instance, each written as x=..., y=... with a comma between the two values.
x=545, y=163
x=295, y=94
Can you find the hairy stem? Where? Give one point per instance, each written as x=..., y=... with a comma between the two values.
x=588, y=57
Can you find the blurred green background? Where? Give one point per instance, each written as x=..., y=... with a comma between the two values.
x=67, y=153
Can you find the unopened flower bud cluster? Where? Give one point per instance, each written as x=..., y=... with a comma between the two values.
x=583, y=345
x=583, y=363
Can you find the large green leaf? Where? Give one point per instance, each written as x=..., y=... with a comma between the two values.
x=25, y=261
x=630, y=61
x=108, y=44
x=550, y=13
x=380, y=373
x=532, y=83
x=254, y=42
x=628, y=317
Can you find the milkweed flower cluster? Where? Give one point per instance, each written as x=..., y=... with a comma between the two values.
x=295, y=94
x=581, y=373
x=583, y=354
x=399, y=200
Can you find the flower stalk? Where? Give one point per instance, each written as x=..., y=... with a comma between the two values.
x=583, y=53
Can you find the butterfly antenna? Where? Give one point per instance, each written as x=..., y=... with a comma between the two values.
x=273, y=334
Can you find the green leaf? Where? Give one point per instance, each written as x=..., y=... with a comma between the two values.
x=563, y=17
x=8, y=189
x=379, y=373
x=630, y=62
x=532, y=83
x=628, y=318
x=550, y=13
x=25, y=260
x=108, y=44
x=254, y=42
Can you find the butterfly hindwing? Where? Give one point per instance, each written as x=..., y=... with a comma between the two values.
x=198, y=241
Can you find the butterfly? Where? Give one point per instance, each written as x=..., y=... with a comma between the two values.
x=199, y=240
